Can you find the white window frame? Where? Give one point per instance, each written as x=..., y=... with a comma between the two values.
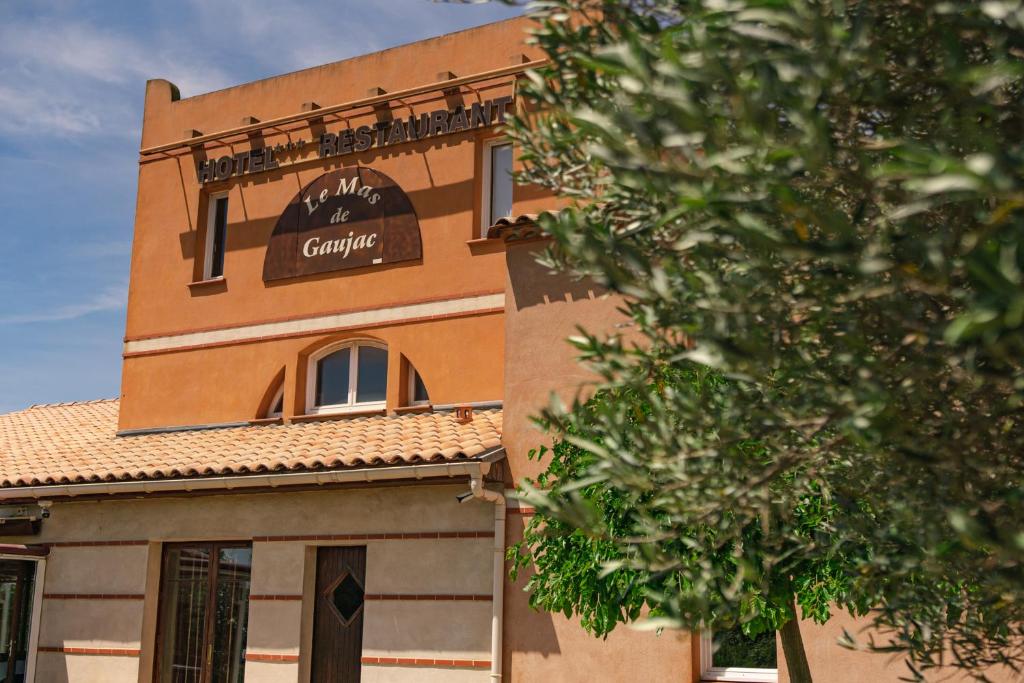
x=353, y=378
x=488, y=169
x=412, y=388
x=211, y=228
x=278, y=397
x=733, y=674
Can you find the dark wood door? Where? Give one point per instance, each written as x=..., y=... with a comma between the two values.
x=338, y=614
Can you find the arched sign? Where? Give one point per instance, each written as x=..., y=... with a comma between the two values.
x=349, y=218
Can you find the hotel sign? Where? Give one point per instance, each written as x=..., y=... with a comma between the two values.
x=349, y=218
x=359, y=139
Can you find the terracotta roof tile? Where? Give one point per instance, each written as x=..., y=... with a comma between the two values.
x=77, y=443
x=511, y=229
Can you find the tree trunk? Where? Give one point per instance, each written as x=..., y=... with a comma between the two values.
x=793, y=649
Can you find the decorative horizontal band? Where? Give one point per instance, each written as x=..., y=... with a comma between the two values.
x=107, y=651
x=522, y=511
x=92, y=544
x=409, y=661
x=92, y=596
x=274, y=597
x=416, y=535
x=374, y=317
x=269, y=657
x=428, y=598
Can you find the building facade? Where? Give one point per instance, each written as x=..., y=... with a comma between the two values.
x=336, y=334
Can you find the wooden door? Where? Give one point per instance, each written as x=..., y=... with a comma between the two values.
x=338, y=614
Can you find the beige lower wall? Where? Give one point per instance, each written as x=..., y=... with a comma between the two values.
x=398, y=674
x=54, y=667
x=456, y=630
x=94, y=589
x=102, y=569
x=833, y=663
x=271, y=672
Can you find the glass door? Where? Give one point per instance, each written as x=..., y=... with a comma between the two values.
x=204, y=609
x=16, y=581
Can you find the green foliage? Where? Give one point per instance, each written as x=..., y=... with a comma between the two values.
x=813, y=211
x=735, y=648
x=718, y=568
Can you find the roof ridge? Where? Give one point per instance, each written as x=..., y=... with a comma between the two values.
x=63, y=404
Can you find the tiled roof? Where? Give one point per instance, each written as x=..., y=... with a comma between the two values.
x=77, y=443
x=511, y=229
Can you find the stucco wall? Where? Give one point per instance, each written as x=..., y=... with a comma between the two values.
x=442, y=176
x=541, y=312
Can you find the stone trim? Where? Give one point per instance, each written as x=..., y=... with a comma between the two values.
x=417, y=661
x=92, y=596
x=270, y=657
x=406, y=597
x=354, y=319
x=387, y=536
x=105, y=651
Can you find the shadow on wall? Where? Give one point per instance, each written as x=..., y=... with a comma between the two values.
x=534, y=285
x=526, y=630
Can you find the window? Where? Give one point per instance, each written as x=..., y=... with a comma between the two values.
x=351, y=376
x=204, y=608
x=277, y=403
x=730, y=655
x=417, y=389
x=216, y=237
x=497, y=183
x=20, y=600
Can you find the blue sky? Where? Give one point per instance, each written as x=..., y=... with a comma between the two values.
x=72, y=78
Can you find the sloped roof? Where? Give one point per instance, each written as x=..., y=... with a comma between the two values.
x=74, y=443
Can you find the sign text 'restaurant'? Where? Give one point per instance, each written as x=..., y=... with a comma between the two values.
x=362, y=138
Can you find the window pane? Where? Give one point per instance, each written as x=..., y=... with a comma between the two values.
x=501, y=182
x=220, y=233
x=234, y=568
x=372, y=379
x=734, y=649
x=332, y=378
x=419, y=392
x=183, y=601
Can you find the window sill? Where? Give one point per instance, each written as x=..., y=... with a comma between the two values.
x=421, y=408
x=208, y=284
x=486, y=245
x=316, y=417
x=267, y=421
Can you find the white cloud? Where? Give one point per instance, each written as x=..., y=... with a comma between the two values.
x=108, y=299
x=25, y=110
x=79, y=50
x=77, y=80
x=292, y=35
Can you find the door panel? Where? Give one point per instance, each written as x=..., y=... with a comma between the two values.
x=338, y=614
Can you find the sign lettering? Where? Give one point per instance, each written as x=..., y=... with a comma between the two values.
x=349, y=218
x=382, y=134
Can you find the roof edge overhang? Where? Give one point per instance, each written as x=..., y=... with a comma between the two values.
x=479, y=465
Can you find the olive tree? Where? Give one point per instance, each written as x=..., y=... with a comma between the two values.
x=812, y=211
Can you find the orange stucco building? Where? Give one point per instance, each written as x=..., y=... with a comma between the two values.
x=337, y=332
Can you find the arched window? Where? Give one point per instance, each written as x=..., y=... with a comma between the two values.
x=276, y=408
x=345, y=377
